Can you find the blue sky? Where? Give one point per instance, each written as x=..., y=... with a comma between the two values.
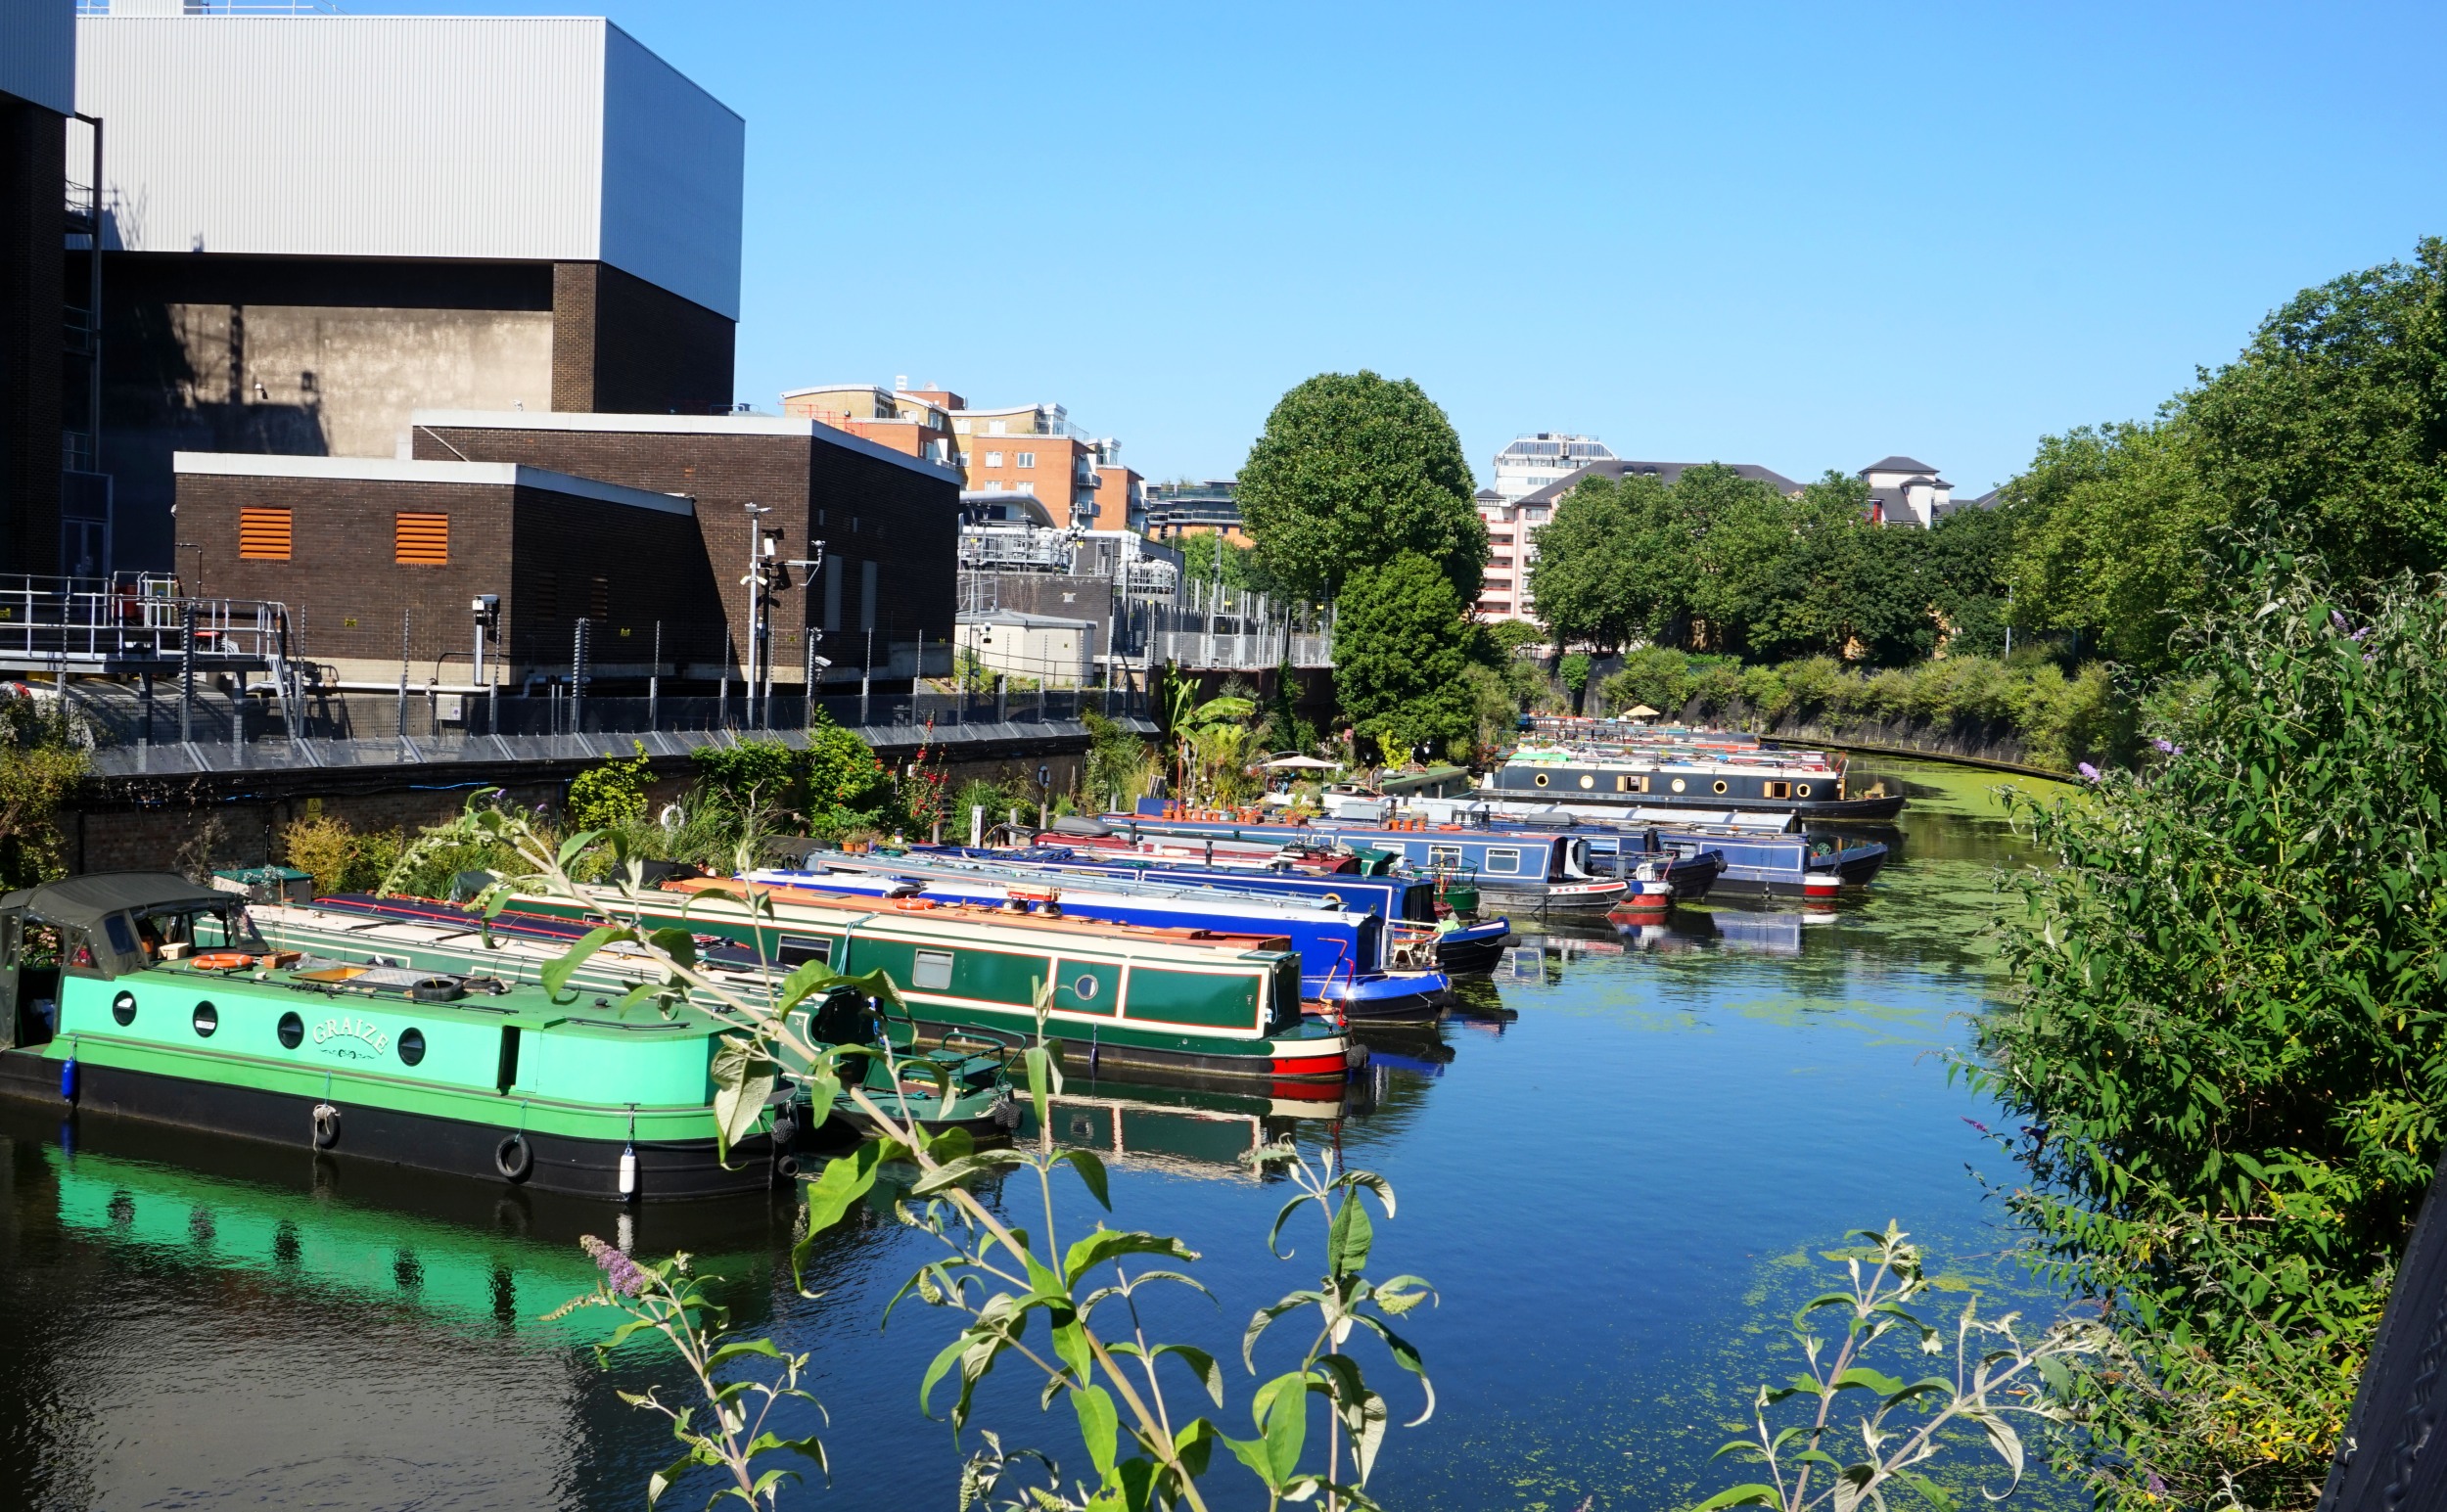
x=1803, y=235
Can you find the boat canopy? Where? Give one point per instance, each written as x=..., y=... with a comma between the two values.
x=82, y=902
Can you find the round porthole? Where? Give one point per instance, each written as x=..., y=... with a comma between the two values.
x=207, y=1019
x=1085, y=987
x=1541, y=779
x=292, y=1032
x=1588, y=781
x=1719, y=787
x=1803, y=789
x=1677, y=784
x=411, y=1045
x=124, y=1008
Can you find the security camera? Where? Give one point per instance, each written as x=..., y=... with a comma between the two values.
x=821, y=662
x=486, y=605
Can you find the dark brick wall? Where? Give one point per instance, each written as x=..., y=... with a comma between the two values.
x=33, y=144
x=622, y=345
x=863, y=508
x=539, y=551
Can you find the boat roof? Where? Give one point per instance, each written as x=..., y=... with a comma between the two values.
x=974, y=913
x=84, y=901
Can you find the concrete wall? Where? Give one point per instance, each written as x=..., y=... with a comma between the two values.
x=331, y=358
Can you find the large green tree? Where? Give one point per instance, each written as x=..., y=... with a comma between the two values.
x=1400, y=644
x=2330, y=429
x=1352, y=469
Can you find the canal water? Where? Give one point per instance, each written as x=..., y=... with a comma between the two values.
x=1618, y=1160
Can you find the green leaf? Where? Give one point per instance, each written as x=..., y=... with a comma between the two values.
x=1091, y=1171
x=556, y=972
x=741, y=1349
x=1349, y=1237
x=845, y=1178
x=1100, y=1245
x=1752, y=1494
x=676, y=942
x=1044, y=1077
x=1210, y=1373
x=743, y=1078
x=1069, y=1343
x=1280, y=1409
x=1098, y=1423
x=1930, y=1491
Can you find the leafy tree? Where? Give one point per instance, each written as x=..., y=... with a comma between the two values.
x=1591, y=580
x=1205, y=557
x=2329, y=428
x=1400, y=645
x=2229, y=1044
x=1290, y=731
x=40, y=764
x=1573, y=672
x=1352, y=469
x=841, y=780
x=1967, y=572
x=1508, y=639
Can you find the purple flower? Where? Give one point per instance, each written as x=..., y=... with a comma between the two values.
x=2358, y=635
x=1976, y=1124
x=2087, y=770
x=2167, y=747
x=620, y=1272
x=2337, y=620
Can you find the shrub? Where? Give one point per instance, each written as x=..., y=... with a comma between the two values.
x=320, y=846
x=753, y=774
x=2230, y=1031
x=609, y=794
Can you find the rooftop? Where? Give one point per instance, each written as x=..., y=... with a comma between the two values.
x=1664, y=471
x=393, y=470
x=677, y=425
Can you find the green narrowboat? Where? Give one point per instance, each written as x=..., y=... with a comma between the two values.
x=142, y=995
x=1191, y=1007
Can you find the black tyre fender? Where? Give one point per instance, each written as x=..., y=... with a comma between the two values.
x=326, y=1125
x=514, y=1156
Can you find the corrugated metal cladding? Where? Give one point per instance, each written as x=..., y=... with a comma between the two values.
x=38, y=51
x=542, y=139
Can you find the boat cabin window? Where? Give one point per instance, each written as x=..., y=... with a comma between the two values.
x=1588, y=781
x=1503, y=859
x=1575, y=857
x=1720, y=784
x=1443, y=856
x=933, y=972
x=1631, y=784
x=1804, y=790
x=1780, y=790
x=798, y=952
x=1541, y=779
x=122, y=936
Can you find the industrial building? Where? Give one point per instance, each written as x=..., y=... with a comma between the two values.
x=362, y=549
x=889, y=526
x=45, y=435
x=317, y=225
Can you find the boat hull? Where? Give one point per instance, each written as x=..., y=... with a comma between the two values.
x=1473, y=947
x=567, y=1165
x=1885, y=806
x=1301, y=1069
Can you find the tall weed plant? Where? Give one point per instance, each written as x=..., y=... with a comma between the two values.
x=2226, y=1049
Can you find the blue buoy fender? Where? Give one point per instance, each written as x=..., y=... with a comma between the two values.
x=67, y=1079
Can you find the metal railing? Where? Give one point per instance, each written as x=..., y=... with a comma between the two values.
x=134, y=623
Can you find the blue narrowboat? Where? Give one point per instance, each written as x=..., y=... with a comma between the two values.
x=1475, y=945
x=1519, y=868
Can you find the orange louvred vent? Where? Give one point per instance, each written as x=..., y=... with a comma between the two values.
x=263, y=534
x=421, y=540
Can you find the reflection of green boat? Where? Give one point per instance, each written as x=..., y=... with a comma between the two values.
x=1189, y=1132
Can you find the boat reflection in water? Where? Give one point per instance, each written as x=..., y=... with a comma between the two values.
x=352, y=1233
x=1179, y=1130
x=1541, y=959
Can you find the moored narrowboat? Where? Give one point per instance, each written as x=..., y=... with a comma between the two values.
x=1812, y=784
x=151, y=997
x=1194, y=1007
x=1516, y=869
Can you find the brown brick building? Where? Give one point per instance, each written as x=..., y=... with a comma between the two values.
x=889, y=522
x=351, y=545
